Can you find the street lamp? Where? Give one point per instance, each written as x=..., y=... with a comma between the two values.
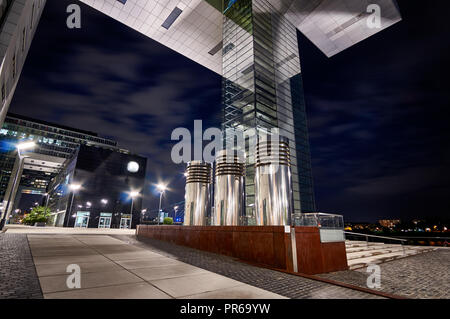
x=175, y=212
x=161, y=188
x=47, y=195
x=20, y=147
x=133, y=194
x=74, y=188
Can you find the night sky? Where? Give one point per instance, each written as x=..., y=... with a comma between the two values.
x=377, y=112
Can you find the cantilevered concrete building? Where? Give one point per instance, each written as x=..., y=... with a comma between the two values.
x=253, y=45
x=18, y=22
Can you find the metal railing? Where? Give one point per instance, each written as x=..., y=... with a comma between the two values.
x=402, y=241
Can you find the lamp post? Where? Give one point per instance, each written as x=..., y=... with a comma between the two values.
x=47, y=195
x=161, y=189
x=175, y=212
x=74, y=188
x=133, y=194
x=20, y=147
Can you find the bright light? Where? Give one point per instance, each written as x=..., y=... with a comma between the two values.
x=134, y=194
x=88, y=204
x=133, y=167
x=104, y=201
x=80, y=206
x=36, y=203
x=25, y=145
x=144, y=210
x=176, y=207
x=74, y=187
x=185, y=174
x=161, y=187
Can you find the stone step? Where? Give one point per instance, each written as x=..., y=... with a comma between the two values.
x=363, y=261
x=368, y=248
x=373, y=252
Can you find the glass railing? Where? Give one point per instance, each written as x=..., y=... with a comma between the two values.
x=321, y=220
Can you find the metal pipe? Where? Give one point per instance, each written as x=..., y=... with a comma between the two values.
x=229, y=199
x=197, y=193
x=273, y=184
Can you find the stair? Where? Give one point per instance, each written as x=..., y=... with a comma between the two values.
x=361, y=253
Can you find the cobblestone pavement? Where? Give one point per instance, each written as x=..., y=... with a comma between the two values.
x=425, y=276
x=18, y=278
x=284, y=284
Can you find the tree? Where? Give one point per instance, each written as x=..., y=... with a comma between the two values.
x=38, y=214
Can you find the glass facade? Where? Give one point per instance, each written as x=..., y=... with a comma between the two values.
x=262, y=90
x=51, y=140
x=105, y=185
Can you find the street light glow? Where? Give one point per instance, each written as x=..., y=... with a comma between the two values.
x=134, y=194
x=161, y=187
x=74, y=187
x=25, y=145
x=104, y=201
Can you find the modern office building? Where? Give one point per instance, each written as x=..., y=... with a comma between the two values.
x=253, y=45
x=18, y=22
x=106, y=180
x=57, y=147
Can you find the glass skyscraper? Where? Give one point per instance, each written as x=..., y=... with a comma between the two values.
x=262, y=90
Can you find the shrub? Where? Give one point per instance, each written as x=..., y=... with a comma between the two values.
x=38, y=215
x=168, y=221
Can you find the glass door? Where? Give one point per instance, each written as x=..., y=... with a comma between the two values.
x=82, y=220
x=104, y=222
x=125, y=223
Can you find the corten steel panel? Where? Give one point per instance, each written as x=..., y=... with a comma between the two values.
x=309, y=250
x=264, y=245
x=334, y=257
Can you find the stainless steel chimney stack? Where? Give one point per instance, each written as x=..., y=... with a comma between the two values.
x=229, y=199
x=198, y=193
x=273, y=185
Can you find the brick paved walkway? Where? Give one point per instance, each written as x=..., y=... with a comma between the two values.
x=18, y=278
x=284, y=284
x=425, y=276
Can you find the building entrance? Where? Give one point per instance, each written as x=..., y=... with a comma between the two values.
x=105, y=220
x=82, y=220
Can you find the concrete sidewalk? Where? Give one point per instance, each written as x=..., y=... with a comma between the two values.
x=22, y=229
x=111, y=268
